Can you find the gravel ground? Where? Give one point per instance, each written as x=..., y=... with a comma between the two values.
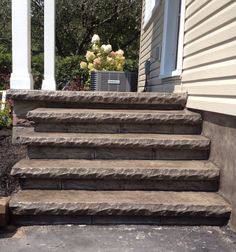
x=9, y=155
x=122, y=238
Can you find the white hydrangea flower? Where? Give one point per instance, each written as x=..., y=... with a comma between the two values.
x=90, y=56
x=120, y=52
x=95, y=39
x=106, y=48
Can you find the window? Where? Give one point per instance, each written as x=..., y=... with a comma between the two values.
x=173, y=33
x=150, y=6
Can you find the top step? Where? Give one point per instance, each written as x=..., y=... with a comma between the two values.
x=102, y=99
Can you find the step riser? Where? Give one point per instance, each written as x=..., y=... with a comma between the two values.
x=117, y=220
x=120, y=128
x=51, y=152
x=153, y=185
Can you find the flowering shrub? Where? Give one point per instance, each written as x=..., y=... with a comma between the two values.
x=102, y=57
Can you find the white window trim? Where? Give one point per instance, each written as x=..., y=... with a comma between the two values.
x=148, y=15
x=178, y=71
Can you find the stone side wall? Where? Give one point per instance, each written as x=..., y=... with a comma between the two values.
x=221, y=129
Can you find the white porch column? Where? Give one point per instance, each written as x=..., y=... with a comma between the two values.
x=21, y=77
x=49, y=82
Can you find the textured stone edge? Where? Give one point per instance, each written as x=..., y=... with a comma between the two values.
x=112, y=203
x=112, y=173
x=39, y=208
x=199, y=144
x=99, y=97
x=109, y=117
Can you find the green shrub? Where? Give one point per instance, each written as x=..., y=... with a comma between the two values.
x=68, y=72
x=5, y=62
x=5, y=68
x=131, y=65
x=37, y=70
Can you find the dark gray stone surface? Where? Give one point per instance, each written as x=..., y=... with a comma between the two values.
x=120, y=184
x=119, y=128
x=130, y=238
x=222, y=131
x=54, y=152
x=27, y=220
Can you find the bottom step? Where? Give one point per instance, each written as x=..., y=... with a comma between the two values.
x=116, y=207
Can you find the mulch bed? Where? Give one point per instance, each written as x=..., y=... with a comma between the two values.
x=9, y=155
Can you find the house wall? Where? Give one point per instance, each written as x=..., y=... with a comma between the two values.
x=209, y=55
x=151, y=38
x=209, y=64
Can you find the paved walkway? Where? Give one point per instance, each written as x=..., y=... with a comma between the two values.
x=117, y=239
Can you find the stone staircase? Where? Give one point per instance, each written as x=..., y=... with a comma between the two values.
x=106, y=158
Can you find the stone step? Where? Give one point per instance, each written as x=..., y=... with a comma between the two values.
x=114, y=146
x=113, y=121
x=162, y=141
x=117, y=175
x=106, y=207
x=87, y=99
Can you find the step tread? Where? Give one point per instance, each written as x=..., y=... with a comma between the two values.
x=113, y=116
x=119, y=98
x=62, y=202
x=115, y=140
x=116, y=169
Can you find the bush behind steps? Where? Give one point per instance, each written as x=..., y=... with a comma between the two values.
x=67, y=70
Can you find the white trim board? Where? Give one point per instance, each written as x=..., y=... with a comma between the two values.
x=149, y=10
x=222, y=105
x=211, y=89
x=169, y=32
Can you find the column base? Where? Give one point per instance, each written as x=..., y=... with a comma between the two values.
x=49, y=85
x=21, y=81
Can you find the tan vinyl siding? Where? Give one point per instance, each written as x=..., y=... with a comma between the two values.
x=209, y=64
x=151, y=38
